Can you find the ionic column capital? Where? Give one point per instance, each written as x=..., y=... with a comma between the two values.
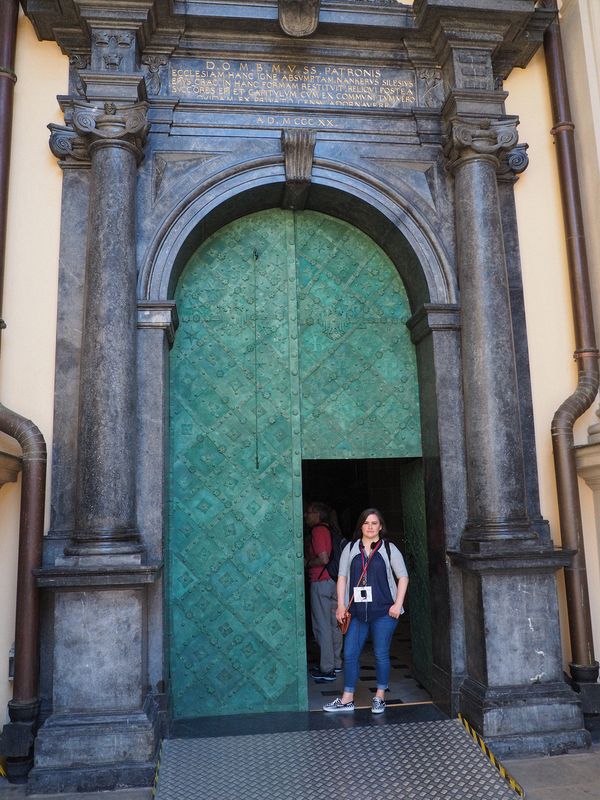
x=112, y=123
x=483, y=138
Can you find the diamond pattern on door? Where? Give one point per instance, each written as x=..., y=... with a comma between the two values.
x=292, y=345
x=357, y=362
x=235, y=543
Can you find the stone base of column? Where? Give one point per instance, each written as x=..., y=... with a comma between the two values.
x=518, y=721
x=93, y=752
x=103, y=731
x=501, y=537
x=515, y=693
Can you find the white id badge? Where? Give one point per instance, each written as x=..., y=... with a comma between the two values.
x=363, y=594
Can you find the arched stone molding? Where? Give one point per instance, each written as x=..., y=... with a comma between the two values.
x=400, y=226
x=392, y=220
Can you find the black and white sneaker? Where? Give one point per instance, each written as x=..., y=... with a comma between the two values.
x=378, y=706
x=337, y=705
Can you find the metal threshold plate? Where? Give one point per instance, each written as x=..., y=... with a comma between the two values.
x=411, y=761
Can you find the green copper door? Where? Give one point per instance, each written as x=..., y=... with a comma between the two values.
x=357, y=362
x=286, y=321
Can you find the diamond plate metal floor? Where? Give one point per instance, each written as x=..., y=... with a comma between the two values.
x=413, y=761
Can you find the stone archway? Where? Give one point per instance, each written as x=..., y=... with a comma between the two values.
x=410, y=242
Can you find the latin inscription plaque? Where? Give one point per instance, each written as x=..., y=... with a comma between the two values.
x=297, y=85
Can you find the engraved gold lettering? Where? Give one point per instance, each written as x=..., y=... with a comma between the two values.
x=294, y=84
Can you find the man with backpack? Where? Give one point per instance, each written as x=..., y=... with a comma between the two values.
x=324, y=546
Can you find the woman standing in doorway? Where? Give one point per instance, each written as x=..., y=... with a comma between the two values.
x=377, y=604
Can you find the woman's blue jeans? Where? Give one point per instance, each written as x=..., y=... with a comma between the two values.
x=381, y=630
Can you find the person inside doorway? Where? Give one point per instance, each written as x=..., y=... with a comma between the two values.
x=323, y=597
x=373, y=581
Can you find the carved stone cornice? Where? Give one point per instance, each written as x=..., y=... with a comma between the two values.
x=485, y=138
x=112, y=123
x=465, y=53
x=299, y=17
x=509, y=32
x=164, y=25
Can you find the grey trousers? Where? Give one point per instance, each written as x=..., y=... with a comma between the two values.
x=323, y=603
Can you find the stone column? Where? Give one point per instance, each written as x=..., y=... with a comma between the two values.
x=497, y=505
x=103, y=729
x=105, y=513
x=514, y=691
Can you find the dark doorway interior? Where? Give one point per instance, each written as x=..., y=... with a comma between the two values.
x=349, y=486
x=394, y=486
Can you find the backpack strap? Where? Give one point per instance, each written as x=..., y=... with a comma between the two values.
x=388, y=550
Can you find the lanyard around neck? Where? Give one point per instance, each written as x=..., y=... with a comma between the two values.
x=365, y=564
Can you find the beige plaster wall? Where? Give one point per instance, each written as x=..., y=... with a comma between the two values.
x=547, y=303
x=29, y=307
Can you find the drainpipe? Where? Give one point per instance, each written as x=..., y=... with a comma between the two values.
x=17, y=736
x=584, y=667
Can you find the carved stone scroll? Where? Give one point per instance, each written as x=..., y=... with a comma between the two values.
x=127, y=123
x=513, y=163
x=299, y=17
x=298, y=152
x=481, y=138
x=67, y=145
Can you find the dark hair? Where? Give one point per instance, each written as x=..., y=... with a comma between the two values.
x=362, y=517
x=327, y=515
x=322, y=510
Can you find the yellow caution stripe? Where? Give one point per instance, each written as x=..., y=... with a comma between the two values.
x=492, y=758
x=2, y=770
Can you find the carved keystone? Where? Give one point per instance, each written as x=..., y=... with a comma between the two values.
x=299, y=17
x=298, y=152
